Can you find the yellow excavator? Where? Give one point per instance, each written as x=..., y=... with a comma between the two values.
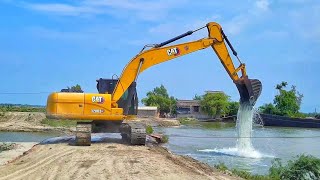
x=117, y=98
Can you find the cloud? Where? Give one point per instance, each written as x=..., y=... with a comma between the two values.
x=262, y=5
x=304, y=22
x=179, y=26
x=253, y=14
x=141, y=9
x=63, y=9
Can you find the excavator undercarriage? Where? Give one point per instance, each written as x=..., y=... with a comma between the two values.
x=133, y=132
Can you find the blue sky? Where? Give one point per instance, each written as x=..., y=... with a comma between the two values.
x=48, y=45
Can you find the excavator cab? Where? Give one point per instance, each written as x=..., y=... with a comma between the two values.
x=249, y=90
x=128, y=101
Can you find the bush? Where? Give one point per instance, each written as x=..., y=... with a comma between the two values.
x=302, y=167
x=7, y=146
x=221, y=166
x=165, y=139
x=185, y=121
x=149, y=129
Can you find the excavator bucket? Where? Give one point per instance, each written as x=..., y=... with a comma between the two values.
x=249, y=89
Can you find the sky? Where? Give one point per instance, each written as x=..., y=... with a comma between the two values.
x=48, y=45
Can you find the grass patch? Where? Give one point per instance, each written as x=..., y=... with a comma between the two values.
x=7, y=146
x=59, y=123
x=217, y=125
x=302, y=167
x=186, y=121
x=149, y=129
x=221, y=166
x=165, y=139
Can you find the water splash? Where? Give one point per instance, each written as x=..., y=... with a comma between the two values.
x=238, y=153
x=257, y=119
x=244, y=147
x=244, y=127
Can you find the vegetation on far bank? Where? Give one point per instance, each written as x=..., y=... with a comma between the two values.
x=217, y=104
x=206, y=125
x=214, y=104
x=302, y=167
x=186, y=121
x=20, y=108
x=286, y=103
x=159, y=97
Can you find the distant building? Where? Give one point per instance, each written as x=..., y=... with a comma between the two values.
x=191, y=108
x=148, y=111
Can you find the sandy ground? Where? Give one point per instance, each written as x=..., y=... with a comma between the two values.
x=27, y=122
x=31, y=122
x=106, y=161
x=21, y=147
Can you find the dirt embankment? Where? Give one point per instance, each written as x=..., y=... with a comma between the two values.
x=27, y=122
x=106, y=161
x=32, y=122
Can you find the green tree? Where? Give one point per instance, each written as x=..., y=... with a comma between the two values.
x=159, y=97
x=215, y=104
x=233, y=107
x=286, y=103
x=76, y=88
x=268, y=109
x=196, y=97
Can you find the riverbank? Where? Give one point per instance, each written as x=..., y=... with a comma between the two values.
x=28, y=122
x=106, y=161
x=37, y=122
x=19, y=149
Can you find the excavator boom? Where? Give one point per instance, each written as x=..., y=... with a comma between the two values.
x=249, y=89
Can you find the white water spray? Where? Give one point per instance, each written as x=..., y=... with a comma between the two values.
x=244, y=127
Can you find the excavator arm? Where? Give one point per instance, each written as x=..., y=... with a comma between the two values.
x=107, y=106
x=249, y=89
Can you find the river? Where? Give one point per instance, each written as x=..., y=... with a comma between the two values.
x=213, y=143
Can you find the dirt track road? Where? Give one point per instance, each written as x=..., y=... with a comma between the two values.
x=105, y=161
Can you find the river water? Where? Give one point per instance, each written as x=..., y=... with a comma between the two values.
x=216, y=142
x=26, y=136
x=213, y=143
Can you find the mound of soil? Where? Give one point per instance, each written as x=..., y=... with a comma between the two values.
x=106, y=161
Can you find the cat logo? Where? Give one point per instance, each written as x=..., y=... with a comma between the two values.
x=173, y=51
x=97, y=99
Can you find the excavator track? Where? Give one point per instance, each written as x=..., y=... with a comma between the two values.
x=133, y=132
x=83, y=134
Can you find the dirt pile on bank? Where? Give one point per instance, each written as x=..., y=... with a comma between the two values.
x=26, y=122
x=32, y=122
x=106, y=161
